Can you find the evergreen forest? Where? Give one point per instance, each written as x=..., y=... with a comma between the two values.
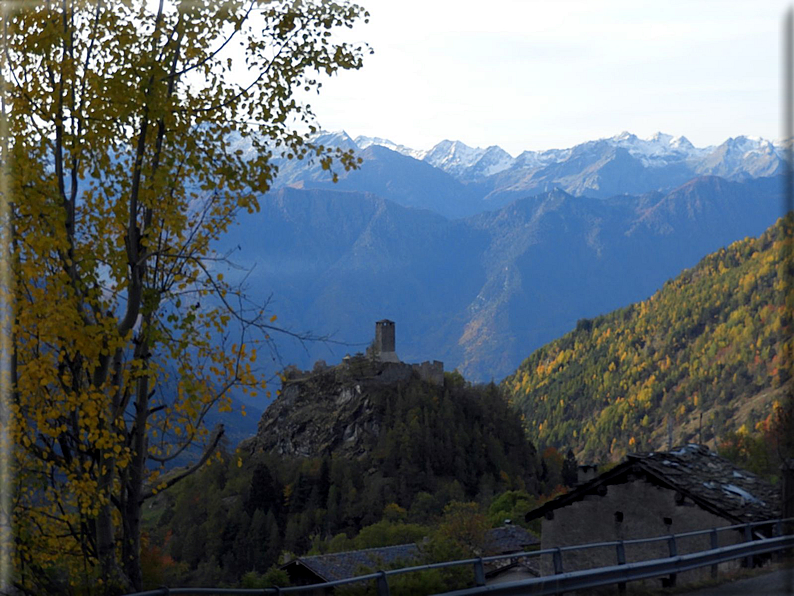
x=442, y=451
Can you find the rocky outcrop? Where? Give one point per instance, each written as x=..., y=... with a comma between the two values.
x=333, y=410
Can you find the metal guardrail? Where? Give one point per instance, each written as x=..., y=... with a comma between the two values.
x=604, y=576
x=560, y=581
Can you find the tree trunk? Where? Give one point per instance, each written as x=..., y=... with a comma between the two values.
x=112, y=576
x=131, y=545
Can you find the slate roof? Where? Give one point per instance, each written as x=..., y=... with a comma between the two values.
x=509, y=539
x=713, y=483
x=334, y=566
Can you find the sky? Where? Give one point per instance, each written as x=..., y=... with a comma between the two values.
x=530, y=74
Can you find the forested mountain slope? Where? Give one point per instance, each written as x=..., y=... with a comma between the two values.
x=708, y=343
x=414, y=447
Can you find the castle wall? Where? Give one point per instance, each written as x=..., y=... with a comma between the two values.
x=431, y=372
x=388, y=357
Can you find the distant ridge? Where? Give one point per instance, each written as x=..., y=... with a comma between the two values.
x=484, y=179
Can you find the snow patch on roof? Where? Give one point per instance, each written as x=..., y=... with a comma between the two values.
x=731, y=488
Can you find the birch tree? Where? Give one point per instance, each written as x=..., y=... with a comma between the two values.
x=136, y=133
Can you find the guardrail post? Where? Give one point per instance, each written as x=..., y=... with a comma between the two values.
x=671, y=546
x=778, y=531
x=557, y=557
x=479, y=572
x=621, y=552
x=748, y=537
x=383, y=584
x=715, y=542
x=787, y=498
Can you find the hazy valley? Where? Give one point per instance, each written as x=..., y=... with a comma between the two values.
x=483, y=291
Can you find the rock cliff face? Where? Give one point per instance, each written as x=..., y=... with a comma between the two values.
x=334, y=410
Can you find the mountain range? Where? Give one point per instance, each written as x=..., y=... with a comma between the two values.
x=481, y=292
x=456, y=180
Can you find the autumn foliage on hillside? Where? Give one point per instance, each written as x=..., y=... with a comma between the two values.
x=766, y=447
x=700, y=358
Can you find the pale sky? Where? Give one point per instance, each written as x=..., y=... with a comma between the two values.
x=531, y=74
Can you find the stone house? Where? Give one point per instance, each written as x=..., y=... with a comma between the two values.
x=654, y=494
x=507, y=540
x=318, y=569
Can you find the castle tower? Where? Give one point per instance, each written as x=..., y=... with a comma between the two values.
x=385, y=341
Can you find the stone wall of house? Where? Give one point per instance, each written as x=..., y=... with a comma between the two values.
x=635, y=509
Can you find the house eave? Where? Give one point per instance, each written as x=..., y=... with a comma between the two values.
x=299, y=561
x=632, y=464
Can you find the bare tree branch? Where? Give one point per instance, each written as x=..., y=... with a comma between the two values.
x=217, y=433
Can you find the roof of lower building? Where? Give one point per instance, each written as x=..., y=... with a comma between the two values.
x=335, y=566
x=509, y=539
x=710, y=481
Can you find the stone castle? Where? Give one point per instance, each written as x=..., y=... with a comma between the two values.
x=383, y=349
x=334, y=409
x=383, y=354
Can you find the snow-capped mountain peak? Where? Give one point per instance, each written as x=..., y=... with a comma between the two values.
x=601, y=167
x=363, y=142
x=659, y=149
x=682, y=143
x=661, y=138
x=744, y=144
x=625, y=136
x=453, y=156
x=493, y=160
x=337, y=138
